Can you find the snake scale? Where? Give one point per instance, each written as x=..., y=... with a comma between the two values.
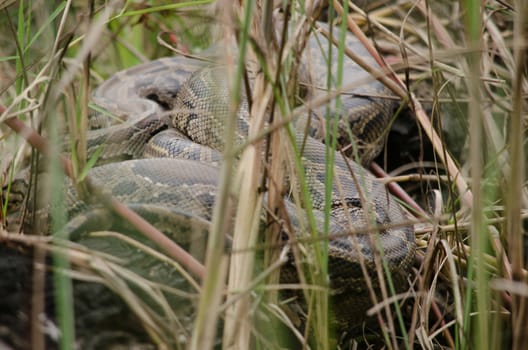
x=177, y=193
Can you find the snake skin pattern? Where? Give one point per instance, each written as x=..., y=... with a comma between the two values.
x=174, y=108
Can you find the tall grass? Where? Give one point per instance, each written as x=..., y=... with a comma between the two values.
x=469, y=284
x=238, y=323
x=477, y=275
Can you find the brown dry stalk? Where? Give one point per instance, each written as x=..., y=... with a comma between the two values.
x=516, y=177
x=398, y=191
x=399, y=88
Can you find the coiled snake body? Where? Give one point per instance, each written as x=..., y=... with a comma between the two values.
x=179, y=193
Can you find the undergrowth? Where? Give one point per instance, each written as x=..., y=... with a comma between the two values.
x=457, y=147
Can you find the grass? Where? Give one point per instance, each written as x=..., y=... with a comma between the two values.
x=468, y=286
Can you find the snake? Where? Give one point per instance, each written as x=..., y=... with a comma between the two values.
x=162, y=160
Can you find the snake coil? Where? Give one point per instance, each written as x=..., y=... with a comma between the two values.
x=178, y=194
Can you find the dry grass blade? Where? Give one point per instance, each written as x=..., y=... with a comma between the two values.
x=238, y=327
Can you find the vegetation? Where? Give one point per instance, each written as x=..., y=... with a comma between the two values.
x=460, y=69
